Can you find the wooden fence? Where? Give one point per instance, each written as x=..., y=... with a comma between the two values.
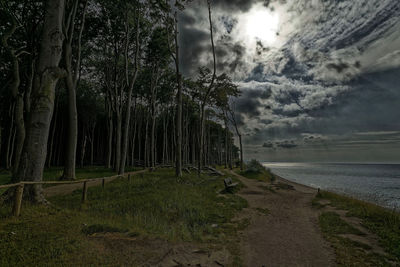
x=19, y=187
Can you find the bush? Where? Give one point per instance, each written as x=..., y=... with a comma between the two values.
x=255, y=166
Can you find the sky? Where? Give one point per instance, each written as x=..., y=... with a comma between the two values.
x=320, y=79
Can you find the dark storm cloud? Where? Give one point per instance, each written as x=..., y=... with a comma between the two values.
x=194, y=43
x=286, y=144
x=248, y=106
x=268, y=145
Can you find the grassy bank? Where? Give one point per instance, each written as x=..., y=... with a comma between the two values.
x=126, y=223
x=381, y=222
x=255, y=170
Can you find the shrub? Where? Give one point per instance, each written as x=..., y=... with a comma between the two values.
x=255, y=166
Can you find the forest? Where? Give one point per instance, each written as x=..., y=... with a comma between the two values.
x=99, y=83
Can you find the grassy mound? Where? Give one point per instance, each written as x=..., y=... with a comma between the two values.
x=255, y=170
x=155, y=206
x=380, y=221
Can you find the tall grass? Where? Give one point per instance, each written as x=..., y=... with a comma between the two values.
x=155, y=206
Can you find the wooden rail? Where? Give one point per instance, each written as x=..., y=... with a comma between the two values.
x=19, y=191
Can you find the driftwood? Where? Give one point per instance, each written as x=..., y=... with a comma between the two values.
x=213, y=171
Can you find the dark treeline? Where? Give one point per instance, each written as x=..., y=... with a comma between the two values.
x=98, y=82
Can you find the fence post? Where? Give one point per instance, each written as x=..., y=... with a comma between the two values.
x=84, y=192
x=19, y=191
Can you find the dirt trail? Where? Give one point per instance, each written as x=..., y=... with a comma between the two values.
x=288, y=235
x=66, y=189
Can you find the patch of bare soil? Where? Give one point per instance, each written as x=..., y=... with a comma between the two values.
x=289, y=235
x=137, y=251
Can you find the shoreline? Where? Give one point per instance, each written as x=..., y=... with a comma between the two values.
x=350, y=197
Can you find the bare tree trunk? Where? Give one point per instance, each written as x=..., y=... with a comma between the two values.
x=12, y=147
x=140, y=130
x=118, y=143
x=226, y=141
x=72, y=82
x=209, y=91
x=18, y=96
x=110, y=136
x=153, y=116
x=83, y=148
x=92, y=144
x=146, y=143
x=19, y=125
x=131, y=83
x=179, y=101
x=164, y=141
x=33, y=156
x=72, y=133
x=201, y=141
x=134, y=139
x=52, y=135
x=10, y=137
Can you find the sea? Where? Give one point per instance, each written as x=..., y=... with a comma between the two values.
x=372, y=182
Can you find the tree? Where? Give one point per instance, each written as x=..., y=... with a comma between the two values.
x=47, y=74
x=233, y=120
x=71, y=79
x=130, y=82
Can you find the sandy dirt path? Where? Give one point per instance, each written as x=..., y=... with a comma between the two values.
x=66, y=189
x=288, y=235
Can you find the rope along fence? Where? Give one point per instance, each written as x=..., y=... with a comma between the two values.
x=19, y=187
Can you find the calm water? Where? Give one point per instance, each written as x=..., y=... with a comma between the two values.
x=378, y=183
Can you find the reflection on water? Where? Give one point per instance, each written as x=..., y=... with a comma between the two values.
x=378, y=183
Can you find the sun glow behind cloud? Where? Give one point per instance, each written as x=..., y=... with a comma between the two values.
x=261, y=25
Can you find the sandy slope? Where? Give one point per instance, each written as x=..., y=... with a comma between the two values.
x=289, y=234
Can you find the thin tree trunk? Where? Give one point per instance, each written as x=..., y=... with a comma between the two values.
x=179, y=101
x=118, y=143
x=121, y=167
x=83, y=148
x=72, y=82
x=146, y=143
x=226, y=142
x=92, y=144
x=140, y=130
x=110, y=137
x=10, y=137
x=52, y=134
x=153, y=116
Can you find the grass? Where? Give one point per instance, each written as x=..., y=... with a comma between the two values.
x=261, y=175
x=332, y=224
x=378, y=220
x=153, y=208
